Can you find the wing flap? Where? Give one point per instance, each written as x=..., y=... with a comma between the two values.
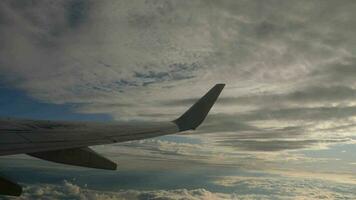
x=84, y=157
x=10, y=188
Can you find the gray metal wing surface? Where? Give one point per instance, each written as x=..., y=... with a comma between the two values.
x=67, y=142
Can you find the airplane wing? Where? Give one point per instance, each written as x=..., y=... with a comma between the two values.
x=67, y=142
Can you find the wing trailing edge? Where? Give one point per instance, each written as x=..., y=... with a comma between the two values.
x=10, y=188
x=83, y=157
x=196, y=114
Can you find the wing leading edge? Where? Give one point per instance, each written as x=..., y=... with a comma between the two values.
x=67, y=142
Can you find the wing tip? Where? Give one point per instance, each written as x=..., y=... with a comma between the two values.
x=196, y=114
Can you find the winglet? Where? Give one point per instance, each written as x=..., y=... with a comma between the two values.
x=196, y=114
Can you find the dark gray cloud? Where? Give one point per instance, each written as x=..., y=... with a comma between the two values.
x=77, y=12
x=311, y=94
x=234, y=130
x=303, y=113
x=177, y=71
x=273, y=145
x=288, y=107
x=337, y=72
x=242, y=130
x=216, y=123
x=238, y=131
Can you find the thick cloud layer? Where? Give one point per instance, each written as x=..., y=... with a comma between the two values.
x=287, y=62
x=246, y=188
x=71, y=191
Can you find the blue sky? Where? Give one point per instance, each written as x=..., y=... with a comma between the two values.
x=284, y=127
x=16, y=103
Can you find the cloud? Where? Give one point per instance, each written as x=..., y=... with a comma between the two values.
x=288, y=65
x=69, y=190
x=272, y=145
x=309, y=95
x=48, y=57
x=224, y=152
x=245, y=188
x=277, y=174
x=105, y=52
x=278, y=187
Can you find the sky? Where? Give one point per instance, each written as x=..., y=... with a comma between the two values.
x=283, y=128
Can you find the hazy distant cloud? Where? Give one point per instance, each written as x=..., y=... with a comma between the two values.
x=218, y=150
x=273, y=145
x=294, y=187
x=337, y=72
x=303, y=113
x=314, y=94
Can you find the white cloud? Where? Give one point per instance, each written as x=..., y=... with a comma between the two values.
x=301, y=186
x=246, y=188
x=69, y=190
